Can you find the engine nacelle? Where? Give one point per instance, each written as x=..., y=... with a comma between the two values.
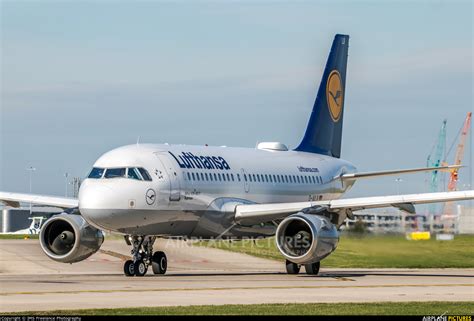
x=68, y=238
x=305, y=238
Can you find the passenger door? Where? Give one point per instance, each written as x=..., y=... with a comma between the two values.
x=172, y=174
x=245, y=179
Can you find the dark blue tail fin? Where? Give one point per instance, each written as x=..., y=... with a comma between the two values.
x=324, y=132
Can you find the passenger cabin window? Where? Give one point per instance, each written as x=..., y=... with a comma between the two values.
x=96, y=172
x=114, y=172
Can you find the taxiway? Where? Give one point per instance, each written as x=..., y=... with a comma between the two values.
x=29, y=281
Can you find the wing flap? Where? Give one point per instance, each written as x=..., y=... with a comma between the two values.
x=14, y=200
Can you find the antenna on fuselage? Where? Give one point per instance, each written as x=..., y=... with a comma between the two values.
x=138, y=140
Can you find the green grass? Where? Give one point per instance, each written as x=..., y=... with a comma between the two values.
x=373, y=252
x=380, y=308
x=17, y=236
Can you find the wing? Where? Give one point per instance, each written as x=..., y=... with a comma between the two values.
x=260, y=213
x=14, y=200
x=354, y=176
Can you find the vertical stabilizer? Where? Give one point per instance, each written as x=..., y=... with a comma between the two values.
x=324, y=132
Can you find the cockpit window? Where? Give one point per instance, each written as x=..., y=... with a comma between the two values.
x=96, y=173
x=132, y=173
x=145, y=174
x=137, y=173
x=114, y=172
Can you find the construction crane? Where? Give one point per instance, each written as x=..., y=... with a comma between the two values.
x=436, y=157
x=453, y=179
x=449, y=214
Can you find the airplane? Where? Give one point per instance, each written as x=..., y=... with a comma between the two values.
x=33, y=229
x=145, y=191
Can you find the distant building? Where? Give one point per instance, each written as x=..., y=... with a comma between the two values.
x=466, y=220
x=394, y=221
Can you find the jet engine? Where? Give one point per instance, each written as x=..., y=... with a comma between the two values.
x=305, y=238
x=68, y=238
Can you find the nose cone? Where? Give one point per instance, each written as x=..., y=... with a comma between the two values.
x=96, y=203
x=94, y=195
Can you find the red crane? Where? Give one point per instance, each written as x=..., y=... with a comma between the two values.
x=453, y=179
x=449, y=215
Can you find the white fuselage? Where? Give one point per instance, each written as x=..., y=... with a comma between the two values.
x=194, y=189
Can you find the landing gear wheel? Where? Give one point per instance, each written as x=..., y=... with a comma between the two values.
x=140, y=268
x=159, y=263
x=129, y=268
x=312, y=269
x=292, y=268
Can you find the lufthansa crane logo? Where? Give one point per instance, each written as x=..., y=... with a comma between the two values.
x=150, y=196
x=334, y=95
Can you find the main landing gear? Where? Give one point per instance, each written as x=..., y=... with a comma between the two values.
x=143, y=257
x=311, y=269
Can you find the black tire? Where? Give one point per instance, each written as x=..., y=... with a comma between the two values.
x=140, y=268
x=159, y=263
x=312, y=269
x=292, y=268
x=129, y=268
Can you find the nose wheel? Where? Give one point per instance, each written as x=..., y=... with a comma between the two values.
x=140, y=268
x=143, y=257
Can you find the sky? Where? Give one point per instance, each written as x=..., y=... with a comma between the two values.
x=80, y=78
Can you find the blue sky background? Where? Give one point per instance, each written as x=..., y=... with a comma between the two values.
x=80, y=78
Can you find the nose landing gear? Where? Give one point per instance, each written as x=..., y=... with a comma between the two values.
x=143, y=257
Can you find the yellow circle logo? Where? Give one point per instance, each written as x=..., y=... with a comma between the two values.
x=334, y=95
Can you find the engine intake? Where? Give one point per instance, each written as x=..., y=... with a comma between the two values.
x=305, y=238
x=68, y=238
